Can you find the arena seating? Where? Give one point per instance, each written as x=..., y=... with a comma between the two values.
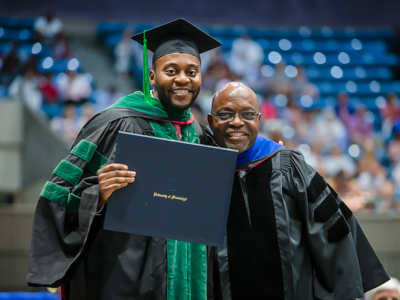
x=349, y=59
x=18, y=35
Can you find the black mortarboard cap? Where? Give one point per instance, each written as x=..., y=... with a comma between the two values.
x=179, y=36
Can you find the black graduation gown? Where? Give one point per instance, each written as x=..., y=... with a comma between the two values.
x=69, y=245
x=289, y=236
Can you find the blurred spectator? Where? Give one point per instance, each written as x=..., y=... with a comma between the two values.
x=392, y=109
x=123, y=54
x=389, y=114
x=210, y=57
x=359, y=128
x=75, y=89
x=368, y=157
x=387, y=291
x=268, y=109
x=26, y=89
x=47, y=28
x=106, y=98
x=292, y=113
x=256, y=80
x=198, y=113
x=341, y=182
x=69, y=125
x=330, y=131
x=396, y=175
x=343, y=108
x=246, y=56
x=279, y=82
x=61, y=48
x=372, y=180
x=338, y=162
x=394, y=145
x=217, y=72
x=9, y=70
x=306, y=127
x=314, y=158
x=48, y=89
x=354, y=198
x=66, y=126
x=302, y=86
x=87, y=112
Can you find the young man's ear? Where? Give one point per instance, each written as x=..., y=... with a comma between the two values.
x=210, y=120
x=152, y=78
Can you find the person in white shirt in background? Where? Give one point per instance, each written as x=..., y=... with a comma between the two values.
x=246, y=56
x=75, y=89
x=47, y=28
x=330, y=130
x=338, y=161
x=26, y=89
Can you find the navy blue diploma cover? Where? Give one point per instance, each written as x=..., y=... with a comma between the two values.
x=182, y=190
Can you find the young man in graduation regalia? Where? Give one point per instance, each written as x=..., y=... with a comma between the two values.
x=289, y=236
x=69, y=246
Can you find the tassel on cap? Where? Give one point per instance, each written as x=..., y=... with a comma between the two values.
x=146, y=83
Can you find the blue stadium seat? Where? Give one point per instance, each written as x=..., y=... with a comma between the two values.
x=388, y=59
x=23, y=35
x=57, y=66
x=226, y=43
x=5, y=47
x=113, y=39
x=15, y=23
x=265, y=44
x=227, y=32
x=372, y=33
x=29, y=49
x=258, y=33
x=107, y=28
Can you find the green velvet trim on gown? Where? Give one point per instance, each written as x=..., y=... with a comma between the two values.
x=187, y=262
x=55, y=193
x=97, y=162
x=136, y=101
x=84, y=150
x=69, y=172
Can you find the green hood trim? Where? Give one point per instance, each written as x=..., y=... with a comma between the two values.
x=157, y=110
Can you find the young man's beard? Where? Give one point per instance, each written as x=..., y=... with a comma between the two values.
x=165, y=100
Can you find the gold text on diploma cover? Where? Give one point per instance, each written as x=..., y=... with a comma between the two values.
x=172, y=197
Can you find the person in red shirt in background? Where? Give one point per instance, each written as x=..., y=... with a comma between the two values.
x=48, y=89
x=268, y=109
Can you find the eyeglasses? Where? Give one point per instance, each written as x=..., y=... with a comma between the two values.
x=246, y=116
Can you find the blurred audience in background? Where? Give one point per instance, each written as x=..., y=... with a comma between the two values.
x=355, y=147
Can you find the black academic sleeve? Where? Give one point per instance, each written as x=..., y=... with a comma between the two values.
x=344, y=263
x=65, y=222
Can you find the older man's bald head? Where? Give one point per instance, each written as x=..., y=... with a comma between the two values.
x=235, y=117
x=235, y=90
